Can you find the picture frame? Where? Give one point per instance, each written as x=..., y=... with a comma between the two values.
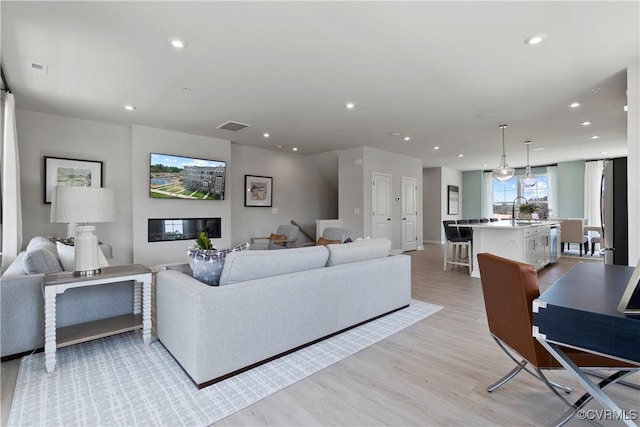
x=453, y=199
x=258, y=191
x=60, y=171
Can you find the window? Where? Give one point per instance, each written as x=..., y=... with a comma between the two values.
x=504, y=194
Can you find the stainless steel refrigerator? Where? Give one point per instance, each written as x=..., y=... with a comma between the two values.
x=613, y=212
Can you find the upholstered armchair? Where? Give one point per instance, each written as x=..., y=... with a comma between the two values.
x=286, y=236
x=336, y=233
x=573, y=232
x=330, y=236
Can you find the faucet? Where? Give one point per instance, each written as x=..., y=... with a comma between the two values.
x=513, y=207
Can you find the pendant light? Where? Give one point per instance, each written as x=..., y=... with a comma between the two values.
x=504, y=172
x=528, y=179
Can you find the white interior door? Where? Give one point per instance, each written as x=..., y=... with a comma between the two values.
x=381, y=205
x=409, y=214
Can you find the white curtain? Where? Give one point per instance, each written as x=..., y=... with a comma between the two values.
x=592, y=175
x=487, y=202
x=11, y=204
x=552, y=175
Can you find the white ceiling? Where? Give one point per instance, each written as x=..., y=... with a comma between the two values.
x=443, y=73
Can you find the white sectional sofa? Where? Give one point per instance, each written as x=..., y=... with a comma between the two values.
x=270, y=303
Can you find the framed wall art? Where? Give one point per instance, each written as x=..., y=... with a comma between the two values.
x=70, y=172
x=258, y=191
x=453, y=200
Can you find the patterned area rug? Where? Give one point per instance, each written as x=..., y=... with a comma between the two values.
x=118, y=381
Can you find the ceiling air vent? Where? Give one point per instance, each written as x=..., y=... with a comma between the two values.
x=39, y=68
x=233, y=126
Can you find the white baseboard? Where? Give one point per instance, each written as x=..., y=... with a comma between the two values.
x=433, y=242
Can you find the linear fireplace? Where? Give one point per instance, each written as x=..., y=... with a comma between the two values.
x=167, y=229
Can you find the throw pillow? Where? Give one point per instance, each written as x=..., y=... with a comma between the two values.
x=324, y=242
x=67, y=255
x=278, y=239
x=41, y=261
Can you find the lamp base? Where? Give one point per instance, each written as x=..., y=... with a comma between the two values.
x=87, y=262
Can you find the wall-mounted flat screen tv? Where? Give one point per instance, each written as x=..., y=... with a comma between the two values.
x=186, y=178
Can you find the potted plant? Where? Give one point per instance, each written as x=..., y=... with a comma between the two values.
x=527, y=210
x=205, y=261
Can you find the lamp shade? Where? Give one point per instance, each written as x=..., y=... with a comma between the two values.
x=82, y=205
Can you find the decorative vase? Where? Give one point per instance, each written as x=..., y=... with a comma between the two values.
x=206, y=264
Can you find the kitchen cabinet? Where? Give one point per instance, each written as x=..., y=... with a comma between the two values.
x=522, y=241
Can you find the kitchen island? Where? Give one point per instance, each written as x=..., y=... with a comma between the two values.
x=534, y=242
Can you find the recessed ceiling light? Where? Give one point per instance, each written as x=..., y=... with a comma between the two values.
x=484, y=165
x=177, y=43
x=595, y=136
x=436, y=148
x=395, y=134
x=595, y=90
x=129, y=107
x=625, y=108
x=538, y=149
x=575, y=104
x=587, y=123
x=407, y=138
x=460, y=155
x=350, y=105
x=603, y=152
x=295, y=148
x=533, y=40
x=266, y=135
x=279, y=146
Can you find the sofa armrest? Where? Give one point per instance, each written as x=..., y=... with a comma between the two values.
x=177, y=315
x=21, y=313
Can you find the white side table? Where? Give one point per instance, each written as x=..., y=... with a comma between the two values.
x=57, y=283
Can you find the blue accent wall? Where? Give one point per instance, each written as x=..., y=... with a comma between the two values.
x=570, y=190
x=471, y=194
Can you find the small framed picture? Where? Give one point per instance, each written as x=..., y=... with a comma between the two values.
x=258, y=191
x=452, y=200
x=59, y=172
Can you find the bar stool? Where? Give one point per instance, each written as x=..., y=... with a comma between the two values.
x=455, y=244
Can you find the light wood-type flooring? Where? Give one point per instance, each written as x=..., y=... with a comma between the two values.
x=434, y=373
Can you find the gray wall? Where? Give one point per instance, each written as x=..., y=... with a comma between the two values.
x=356, y=168
x=42, y=135
x=149, y=140
x=436, y=195
x=301, y=190
x=431, y=205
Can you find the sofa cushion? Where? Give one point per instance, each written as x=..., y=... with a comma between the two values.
x=358, y=251
x=40, y=242
x=249, y=265
x=67, y=255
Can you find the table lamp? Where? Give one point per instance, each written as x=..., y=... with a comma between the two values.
x=84, y=205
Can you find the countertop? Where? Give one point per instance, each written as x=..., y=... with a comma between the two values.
x=508, y=225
